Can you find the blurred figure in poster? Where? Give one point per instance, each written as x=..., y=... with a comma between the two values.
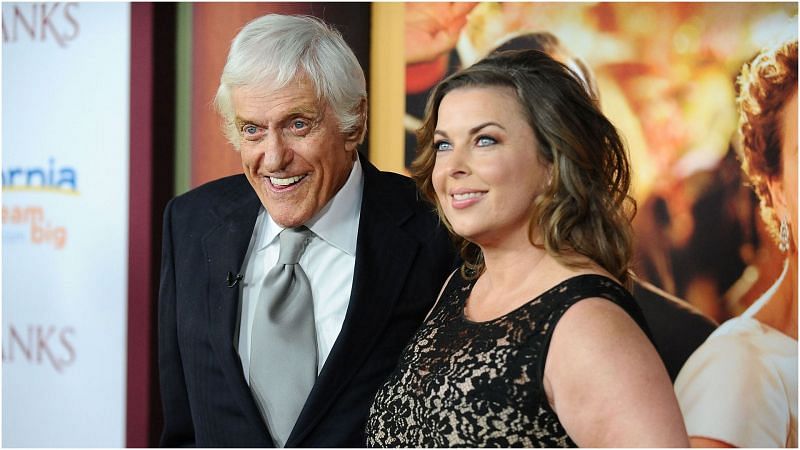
x=739, y=389
x=535, y=341
x=432, y=30
x=331, y=264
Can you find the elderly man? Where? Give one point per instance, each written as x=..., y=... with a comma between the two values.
x=288, y=292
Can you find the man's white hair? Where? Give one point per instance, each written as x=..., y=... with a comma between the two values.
x=275, y=50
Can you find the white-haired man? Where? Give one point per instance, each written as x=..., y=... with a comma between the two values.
x=288, y=292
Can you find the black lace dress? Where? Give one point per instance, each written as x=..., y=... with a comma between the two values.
x=479, y=384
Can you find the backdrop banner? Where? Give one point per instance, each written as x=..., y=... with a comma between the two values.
x=65, y=215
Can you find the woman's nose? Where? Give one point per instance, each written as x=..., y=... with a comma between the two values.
x=457, y=163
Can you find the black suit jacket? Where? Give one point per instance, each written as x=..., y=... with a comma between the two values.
x=403, y=256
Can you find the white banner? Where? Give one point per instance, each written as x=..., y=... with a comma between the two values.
x=65, y=218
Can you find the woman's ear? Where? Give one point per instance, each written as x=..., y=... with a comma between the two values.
x=356, y=136
x=780, y=206
x=551, y=173
x=778, y=196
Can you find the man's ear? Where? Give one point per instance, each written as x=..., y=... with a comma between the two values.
x=356, y=136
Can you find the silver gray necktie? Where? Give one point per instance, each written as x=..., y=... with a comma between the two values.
x=283, y=355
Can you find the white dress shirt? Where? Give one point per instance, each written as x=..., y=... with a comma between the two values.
x=328, y=260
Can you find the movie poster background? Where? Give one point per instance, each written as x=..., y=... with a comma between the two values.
x=665, y=72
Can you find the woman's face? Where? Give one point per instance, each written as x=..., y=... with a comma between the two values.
x=487, y=171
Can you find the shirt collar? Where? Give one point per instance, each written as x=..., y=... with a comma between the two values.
x=336, y=223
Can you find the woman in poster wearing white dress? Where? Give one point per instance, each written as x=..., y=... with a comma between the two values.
x=739, y=389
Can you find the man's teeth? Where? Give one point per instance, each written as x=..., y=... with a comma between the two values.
x=285, y=181
x=460, y=197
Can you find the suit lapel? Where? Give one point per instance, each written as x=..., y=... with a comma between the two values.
x=384, y=256
x=225, y=247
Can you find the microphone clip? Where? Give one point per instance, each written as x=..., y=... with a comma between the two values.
x=232, y=280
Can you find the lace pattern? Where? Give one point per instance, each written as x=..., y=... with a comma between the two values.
x=479, y=384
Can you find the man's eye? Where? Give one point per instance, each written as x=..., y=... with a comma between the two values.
x=484, y=141
x=249, y=129
x=251, y=132
x=300, y=127
x=441, y=146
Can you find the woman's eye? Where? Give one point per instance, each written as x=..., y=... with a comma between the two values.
x=441, y=146
x=484, y=141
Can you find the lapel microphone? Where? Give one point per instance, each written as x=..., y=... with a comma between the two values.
x=232, y=281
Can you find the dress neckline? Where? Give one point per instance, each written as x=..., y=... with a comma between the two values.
x=471, y=283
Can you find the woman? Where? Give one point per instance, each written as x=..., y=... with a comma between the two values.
x=534, y=342
x=740, y=387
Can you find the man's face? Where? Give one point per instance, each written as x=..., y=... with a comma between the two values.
x=293, y=152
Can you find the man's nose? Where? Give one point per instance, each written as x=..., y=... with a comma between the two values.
x=277, y=154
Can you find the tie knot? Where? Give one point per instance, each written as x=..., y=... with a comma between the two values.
x=293, y=241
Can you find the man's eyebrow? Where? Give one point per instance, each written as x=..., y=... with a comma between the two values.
x=240, y=122
x=306, y=110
